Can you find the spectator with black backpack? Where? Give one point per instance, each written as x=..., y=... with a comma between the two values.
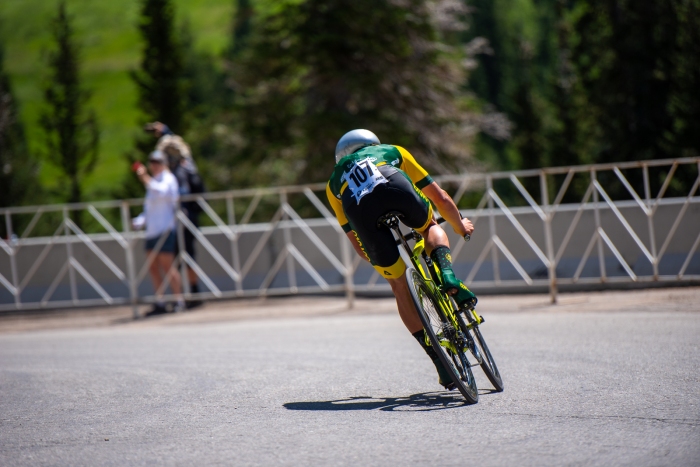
x=189, y=181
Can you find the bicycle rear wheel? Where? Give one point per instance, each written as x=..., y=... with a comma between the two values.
x=481, y=352
x=444, y=338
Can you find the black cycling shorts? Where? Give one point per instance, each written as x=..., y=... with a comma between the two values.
x=188, y=237
x=398, y=195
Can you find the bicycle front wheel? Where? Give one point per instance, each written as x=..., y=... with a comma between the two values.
x=447, y=341
x=477, y=346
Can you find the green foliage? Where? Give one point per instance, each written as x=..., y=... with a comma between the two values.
x=160, y=81
x=624, y=58
x=263, y=96
x=513, y=76
x=684, y=103
x=72, y=134
x=589, y=80
x=17, y=167
x=316, y=69
x=161, y=84
x=207, y=99
x=241, y=30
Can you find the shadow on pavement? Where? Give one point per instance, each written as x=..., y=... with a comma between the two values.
x=418, y=402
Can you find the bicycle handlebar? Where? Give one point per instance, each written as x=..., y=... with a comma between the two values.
x=440, y=220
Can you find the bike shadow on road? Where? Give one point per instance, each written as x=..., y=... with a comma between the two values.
x=425, y=401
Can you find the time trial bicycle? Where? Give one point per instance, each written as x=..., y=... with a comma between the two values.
x=453, y=332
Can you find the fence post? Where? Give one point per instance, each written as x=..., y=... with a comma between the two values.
x=552, y=269
x=13, y=257
x=235, y=255
x=599, y=240
x=69, y=251
x=492, y=229
x=650, y=221
x=184, y=278
x=287, y=235
x=130, y=269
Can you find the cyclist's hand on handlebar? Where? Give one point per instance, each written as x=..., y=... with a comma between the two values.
x=468, y=228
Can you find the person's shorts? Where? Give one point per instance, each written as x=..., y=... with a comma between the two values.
x=169, y=246
x=398, y=195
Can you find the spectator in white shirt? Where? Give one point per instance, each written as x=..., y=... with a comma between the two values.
x=160, y=208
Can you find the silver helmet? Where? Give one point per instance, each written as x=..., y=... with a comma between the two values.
x=354, y=140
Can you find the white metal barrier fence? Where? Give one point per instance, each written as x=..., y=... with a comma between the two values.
x=278, y=241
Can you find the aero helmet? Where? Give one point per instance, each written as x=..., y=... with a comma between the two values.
x=354, y=140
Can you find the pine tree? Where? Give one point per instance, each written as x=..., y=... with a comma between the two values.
x=684, y=105
x=71, y=129
x=207, y=96
x=240, y=32
x=514, y=75
x=17, y=167
x=624, y=57
x=160, y=81
x=161, y=84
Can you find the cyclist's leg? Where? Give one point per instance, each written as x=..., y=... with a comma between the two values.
x=434, y=236
x=410, y=318
x=437, y=245
x=407, y=310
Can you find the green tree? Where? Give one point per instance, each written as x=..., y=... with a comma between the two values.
x=316, y=69
x=160, y=80
x=71, y=129
x=514, y=75
x=684, y=105
x=18, y=169
x=207, y=97
x=241, y=28
x=161, y=84
x=624, y=55
x=573, y=138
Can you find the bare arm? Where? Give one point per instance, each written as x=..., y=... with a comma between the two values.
x=143, y=176
x=158, y=188
x=447, y=208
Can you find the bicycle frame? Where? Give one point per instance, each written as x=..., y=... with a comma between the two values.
x=432, y=278
x=456, y=335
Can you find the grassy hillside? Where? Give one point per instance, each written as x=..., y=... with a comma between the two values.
x=110, y=48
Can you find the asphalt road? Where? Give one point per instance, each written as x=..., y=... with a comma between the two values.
x=603, y=387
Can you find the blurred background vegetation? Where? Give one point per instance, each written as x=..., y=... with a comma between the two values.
x=262, y=89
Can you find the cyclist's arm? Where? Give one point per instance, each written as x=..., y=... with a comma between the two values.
x=447, y=208
x=442, y=201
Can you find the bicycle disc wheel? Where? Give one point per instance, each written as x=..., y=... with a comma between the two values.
x=443, y=337
x=481, y=352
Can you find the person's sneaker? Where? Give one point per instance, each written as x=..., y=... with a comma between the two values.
x=190, y=304
x=194, y=289
x=158, y=309
x=179, y=307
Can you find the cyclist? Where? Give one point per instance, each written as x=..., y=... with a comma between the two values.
x=370, y=180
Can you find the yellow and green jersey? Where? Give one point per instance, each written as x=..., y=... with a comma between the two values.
x=357, y=172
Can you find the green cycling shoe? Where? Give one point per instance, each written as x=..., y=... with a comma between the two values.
x=464, y=297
